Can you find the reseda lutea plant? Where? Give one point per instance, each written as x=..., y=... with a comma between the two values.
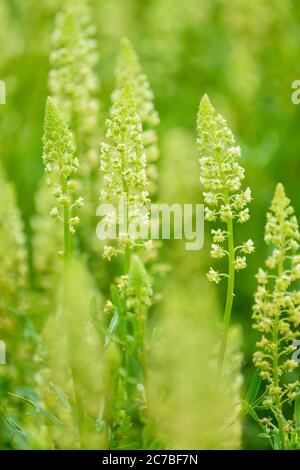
x=73, y=82
x=129, y=71
x=73, y=85
x=61, y=167
x=226, y=202
x=276, y=314
x=123, y=164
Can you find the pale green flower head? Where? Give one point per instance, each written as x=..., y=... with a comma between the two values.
x=129, y=71
x=276, y=311
x=72, y=79
x=123, y=161
x=221, y=173
x=221, y=176
x=61, y=166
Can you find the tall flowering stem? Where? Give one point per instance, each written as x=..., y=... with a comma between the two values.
x=276, y=314
x=74, y=87
x=61, y=167
x=123, y=165
x=226, y=202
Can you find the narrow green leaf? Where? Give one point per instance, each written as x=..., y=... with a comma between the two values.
x=253, y=388
x=39, y=409
x=63, y=397
x=116, y=298
x=250, y=410
x=297, y=414
x=112, y=326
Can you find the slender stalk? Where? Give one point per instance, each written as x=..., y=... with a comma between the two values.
x=276, y=355
x=80, y=413
x=127, y=256
x=276, y=384
x=230, y=294
x=67, y=233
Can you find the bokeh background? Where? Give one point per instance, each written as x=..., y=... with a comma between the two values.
x=245, y=55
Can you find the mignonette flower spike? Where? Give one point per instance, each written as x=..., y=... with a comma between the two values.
x=226, y=201
x=129, y=71
x=276, y=309
x=72, y=80
x=123, y=165
x=61, y=167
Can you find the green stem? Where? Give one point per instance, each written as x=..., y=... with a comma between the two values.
x=230, y=294
x=276, y=355
x=80, y=413
x=67, y=235
x=276, y=384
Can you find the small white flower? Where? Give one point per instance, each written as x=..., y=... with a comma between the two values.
x=262, y=276
x=211, y=199
x=217, y=251
x=54, y=212
x=219, y=236
x=248, y=247
x=243, y=216
x=210, y=215
x=226, y=213
x=108, y=252
x=240, y=263
x=79, y=202
x=213, y=276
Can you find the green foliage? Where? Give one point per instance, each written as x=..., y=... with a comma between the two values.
x=156, y=341
x=71, y=384
x=184, y=374
x=276, y=316
x=14, y=310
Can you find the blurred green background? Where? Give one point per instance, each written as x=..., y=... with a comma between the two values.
x=245, y=55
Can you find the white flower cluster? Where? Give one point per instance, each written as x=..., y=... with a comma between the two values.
x=61, y=166
x=123, y=165
x=72, y=80
x=277, y=302
x=221, y=177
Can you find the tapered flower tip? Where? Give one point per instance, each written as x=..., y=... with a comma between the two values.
x=280, y=199
x=205, y=108
x=57, y=135
x=126, y=93
x=52, y=112
x=50, y=105
x=279, y=191
x=128, y=59
x=53, y=120
x=126, y=46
